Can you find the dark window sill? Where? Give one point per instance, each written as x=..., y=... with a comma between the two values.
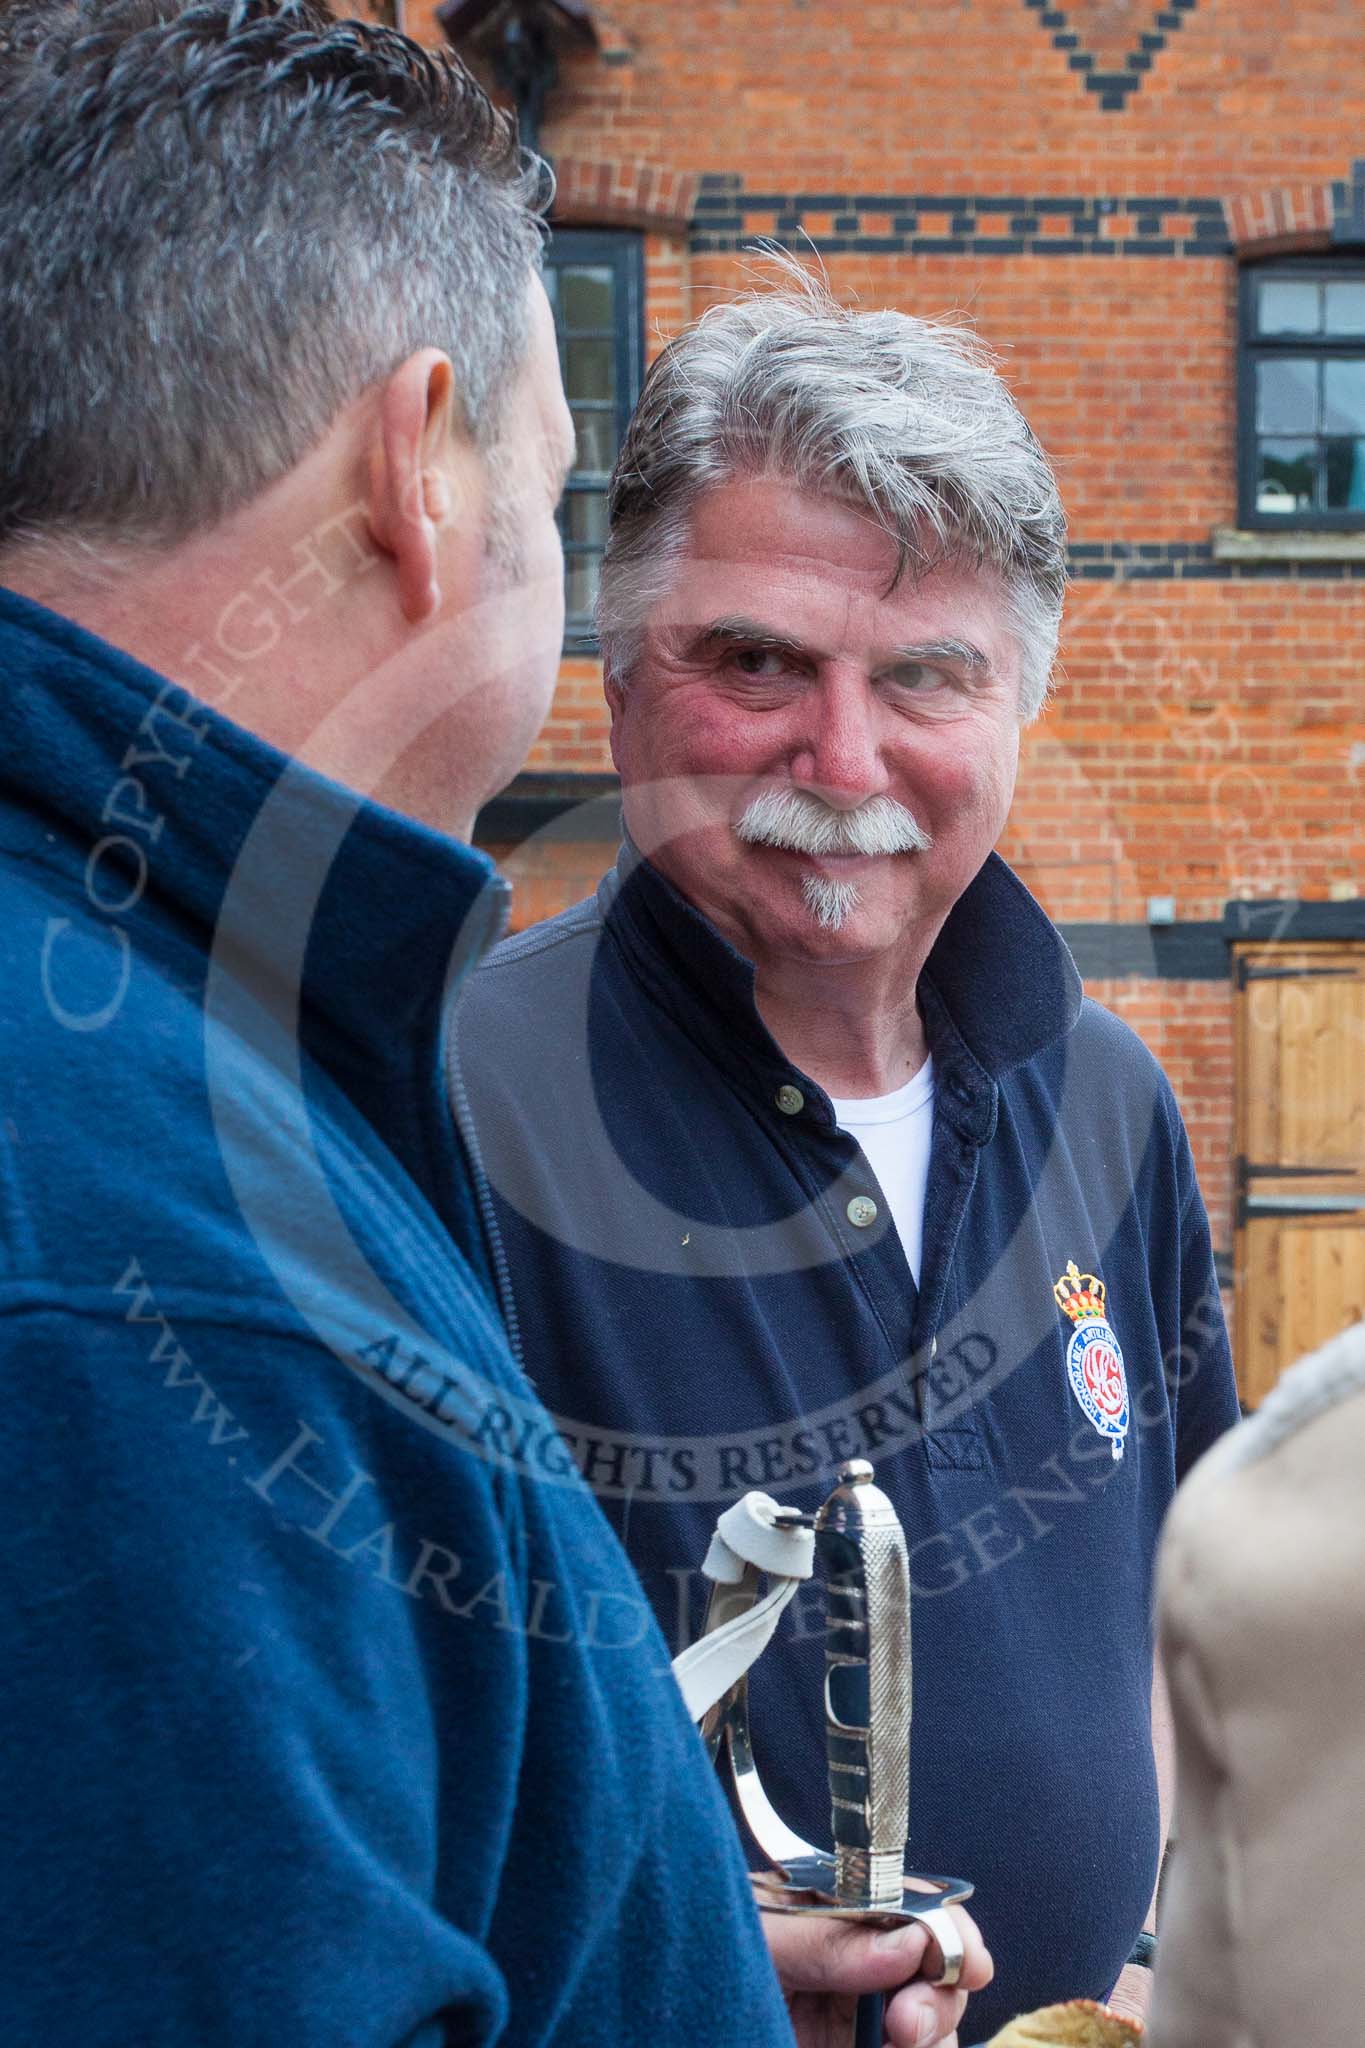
x=1292, y=920
x=580, y=808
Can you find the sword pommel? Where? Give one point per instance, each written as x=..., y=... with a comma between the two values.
x=862, y=1553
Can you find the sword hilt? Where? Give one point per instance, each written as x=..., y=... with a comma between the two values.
x=861, y=1548
x=863, y=1559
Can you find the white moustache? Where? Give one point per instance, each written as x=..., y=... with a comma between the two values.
x=799, y=822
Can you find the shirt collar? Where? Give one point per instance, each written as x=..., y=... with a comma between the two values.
x=997, y=938
x=170, y=800
x=1004, y=972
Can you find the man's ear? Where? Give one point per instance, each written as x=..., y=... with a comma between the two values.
x=414, y=468
x=613, y=689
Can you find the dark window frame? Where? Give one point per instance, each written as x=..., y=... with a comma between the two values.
x=622, y=251
x=1254, y=348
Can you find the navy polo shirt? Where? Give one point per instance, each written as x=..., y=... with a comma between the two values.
x=688, y=1269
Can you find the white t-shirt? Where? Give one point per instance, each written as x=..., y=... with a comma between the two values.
x=894, y=1132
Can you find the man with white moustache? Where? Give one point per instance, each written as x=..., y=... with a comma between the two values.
x=802, y=1141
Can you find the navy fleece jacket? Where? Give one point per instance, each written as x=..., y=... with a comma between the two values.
x=318, y=1727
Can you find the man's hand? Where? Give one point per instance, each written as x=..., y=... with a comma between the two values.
x=824, y=1966
x=1132, y=1994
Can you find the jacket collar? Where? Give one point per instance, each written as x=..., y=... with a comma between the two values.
x=999, y=985
x=299, y=882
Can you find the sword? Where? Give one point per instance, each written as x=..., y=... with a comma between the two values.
x=860, y=1549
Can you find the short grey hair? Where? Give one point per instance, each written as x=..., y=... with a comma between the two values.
x=219, y=224
x=903, y=417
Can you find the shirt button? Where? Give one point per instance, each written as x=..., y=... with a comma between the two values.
x=790, y=1100
x=861, y=1211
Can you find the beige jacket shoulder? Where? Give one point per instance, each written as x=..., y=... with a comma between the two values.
x=1262, y=1623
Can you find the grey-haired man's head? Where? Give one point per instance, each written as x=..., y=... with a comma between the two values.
x=830, y=599
x=903, y=418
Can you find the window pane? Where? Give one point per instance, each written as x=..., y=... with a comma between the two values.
x=1346, y=307
x=587, y=299
x=1284, y=481
x=588, y=367
x=598, y=285
x=596, y=442
x=585, y=517
x=1343, y=397
x=580, y=583
x=1346, y=475
x=1290, y=306
x=1287, y=396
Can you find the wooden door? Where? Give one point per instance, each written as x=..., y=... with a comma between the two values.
x=1300, y=1245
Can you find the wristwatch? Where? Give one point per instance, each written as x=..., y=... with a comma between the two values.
x=1144, y=1951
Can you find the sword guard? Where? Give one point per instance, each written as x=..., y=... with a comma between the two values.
x=924, y=1899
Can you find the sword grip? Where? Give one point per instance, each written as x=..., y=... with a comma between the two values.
x=868, y=2028
x=867, y=1687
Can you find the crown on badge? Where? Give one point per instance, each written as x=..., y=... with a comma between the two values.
x=1079, y=1294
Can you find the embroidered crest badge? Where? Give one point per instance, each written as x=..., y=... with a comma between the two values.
x=1094, y=1362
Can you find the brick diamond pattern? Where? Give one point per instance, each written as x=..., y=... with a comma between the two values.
x=1112, y=88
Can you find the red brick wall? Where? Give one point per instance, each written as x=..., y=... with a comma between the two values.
x=1205, y=743
x=549, y=875
x=969, y=95
x=574, y=736
x=1188, y=1025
